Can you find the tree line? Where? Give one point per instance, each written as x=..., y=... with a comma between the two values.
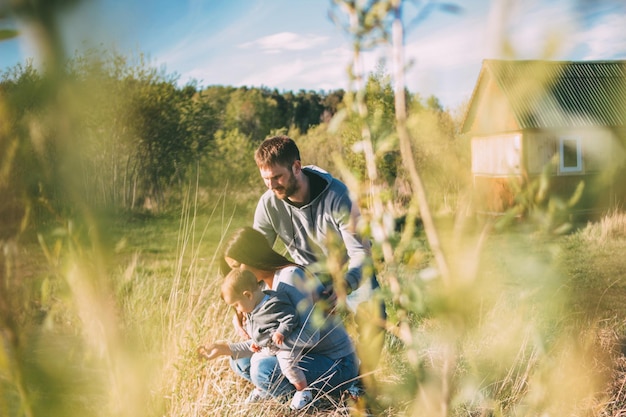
x=124, y=135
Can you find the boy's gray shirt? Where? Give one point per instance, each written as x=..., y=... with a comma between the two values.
x=334, y=342
x=275, y=313
x=306, y=231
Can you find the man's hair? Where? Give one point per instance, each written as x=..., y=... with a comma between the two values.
x=277, y=150
x=239, y=280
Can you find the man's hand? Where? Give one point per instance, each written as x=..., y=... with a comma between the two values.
x=213, y=351
x=255, y=348
x=328, y=299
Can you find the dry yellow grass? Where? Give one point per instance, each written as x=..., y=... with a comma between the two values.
x=539, y=329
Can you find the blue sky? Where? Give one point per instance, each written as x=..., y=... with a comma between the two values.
x=293, y=45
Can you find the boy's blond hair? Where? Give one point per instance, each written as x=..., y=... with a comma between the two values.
x=239, y=280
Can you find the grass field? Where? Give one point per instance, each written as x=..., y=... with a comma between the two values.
x=532, y=324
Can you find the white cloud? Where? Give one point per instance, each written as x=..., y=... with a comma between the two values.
x=449, y=49
x=606, y=39
x=285, y=41
x=539, y=31
x=275, y=75
x=445, y=62
x=323, y=70
x=30, y=47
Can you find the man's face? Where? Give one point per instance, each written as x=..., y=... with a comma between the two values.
x=281, y=180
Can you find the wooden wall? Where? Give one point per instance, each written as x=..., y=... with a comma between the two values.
x=502, y=163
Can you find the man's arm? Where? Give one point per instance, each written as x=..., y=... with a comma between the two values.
x=357, y=250
x=262, y=221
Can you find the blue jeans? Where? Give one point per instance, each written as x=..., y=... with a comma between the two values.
x=322, y=373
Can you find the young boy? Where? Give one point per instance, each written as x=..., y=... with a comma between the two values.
x=273, y=324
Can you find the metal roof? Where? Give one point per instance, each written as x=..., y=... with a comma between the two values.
x=563, y=94
x=549, y=94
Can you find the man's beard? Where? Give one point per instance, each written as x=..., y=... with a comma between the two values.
x=290, y=189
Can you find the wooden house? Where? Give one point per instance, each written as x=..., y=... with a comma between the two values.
x=563, y=119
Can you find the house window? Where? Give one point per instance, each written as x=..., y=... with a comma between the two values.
x=570, y=154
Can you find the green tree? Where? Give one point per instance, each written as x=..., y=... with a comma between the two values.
x=307, y=110
x=162, y=150
x=230, y=162
x=247, y=111
x=441, y=155
x=24, y=161
x=332, y=102
x=105, y=115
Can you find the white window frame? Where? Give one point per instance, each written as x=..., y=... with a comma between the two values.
x=579, y=154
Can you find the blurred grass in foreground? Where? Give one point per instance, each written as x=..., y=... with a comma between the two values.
x=539, y=330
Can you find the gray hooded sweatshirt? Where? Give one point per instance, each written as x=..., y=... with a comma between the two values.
x=306, y=231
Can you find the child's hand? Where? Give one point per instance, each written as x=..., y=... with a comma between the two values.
x=212, y=351
x=255, y=348
x=278, y=338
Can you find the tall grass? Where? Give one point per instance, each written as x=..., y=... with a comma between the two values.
x=512, y=341
x=611, y=226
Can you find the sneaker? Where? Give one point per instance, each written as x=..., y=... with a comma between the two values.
x=301, y=399
x=256, y=396
x=355, y=390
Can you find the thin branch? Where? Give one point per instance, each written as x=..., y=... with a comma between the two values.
x=406, y=150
